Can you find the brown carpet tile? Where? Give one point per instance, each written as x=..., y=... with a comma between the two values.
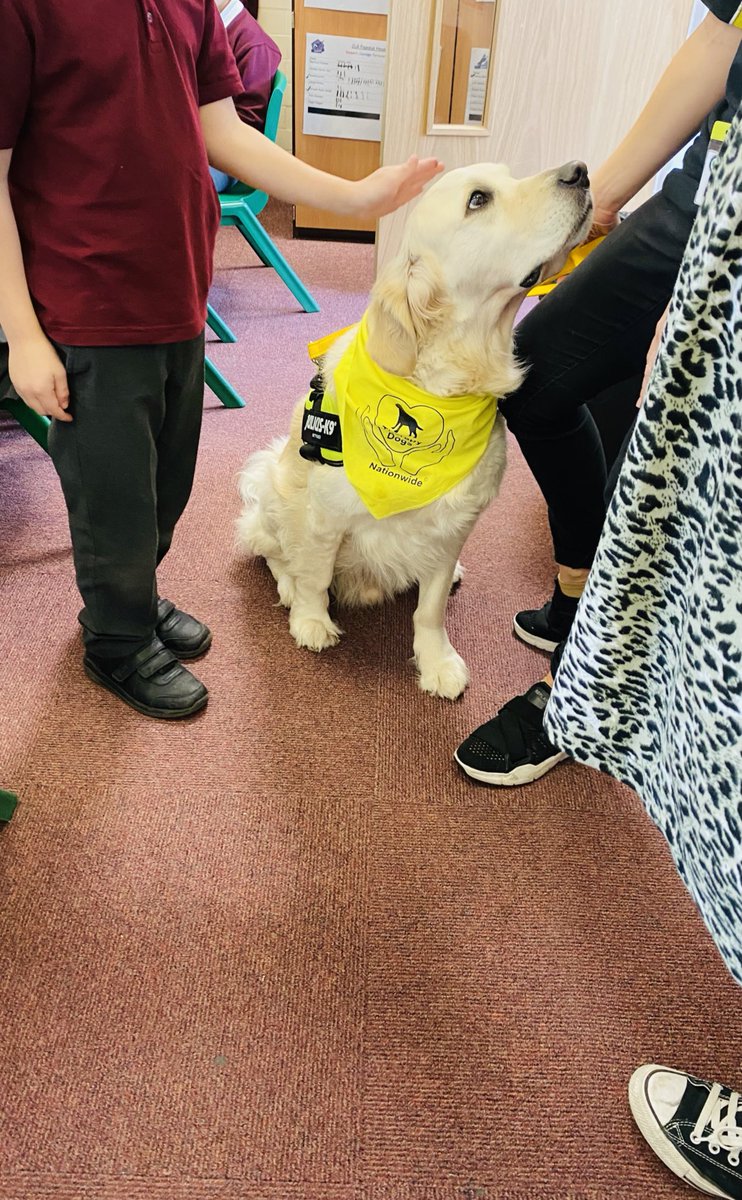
x=285, y=951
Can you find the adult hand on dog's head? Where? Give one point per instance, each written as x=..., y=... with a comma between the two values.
x=603, y=222
x=39, y=377
x=390, y=187
x=605, y=210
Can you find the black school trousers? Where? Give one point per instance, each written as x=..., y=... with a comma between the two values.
x=126, y=463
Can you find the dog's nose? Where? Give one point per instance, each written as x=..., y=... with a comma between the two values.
x=574, y=174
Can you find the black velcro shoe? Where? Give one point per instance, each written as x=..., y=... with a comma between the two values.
x=512, y=748
x=181, y=633
x=152, y=681
x=549, y=625
x=693, y=1126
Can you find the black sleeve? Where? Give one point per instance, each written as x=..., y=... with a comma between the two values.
x=729, y=11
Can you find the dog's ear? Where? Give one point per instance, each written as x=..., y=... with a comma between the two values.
x=407, y=300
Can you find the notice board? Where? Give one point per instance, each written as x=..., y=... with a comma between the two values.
x=338, y=90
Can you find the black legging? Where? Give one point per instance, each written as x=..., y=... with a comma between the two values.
x=591, y=332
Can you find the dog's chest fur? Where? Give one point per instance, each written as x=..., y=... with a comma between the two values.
x=397, y=550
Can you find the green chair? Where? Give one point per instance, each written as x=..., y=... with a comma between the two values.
x=31, y=421
x=8, y=802
x=221, y=388
x=214, y=379
x=241, y=204
x=38, y=426
x=220, y=327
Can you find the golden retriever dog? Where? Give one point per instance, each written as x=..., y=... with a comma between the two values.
x=440, y=321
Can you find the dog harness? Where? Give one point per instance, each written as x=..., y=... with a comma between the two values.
x=321, y=436
x=401, y=447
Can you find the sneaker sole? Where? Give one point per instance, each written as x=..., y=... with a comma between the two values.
x=526, y=774
x=146, y=711
x=532, y=640
x=657, y=1139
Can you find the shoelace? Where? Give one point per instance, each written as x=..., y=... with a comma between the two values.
x=723, y=1116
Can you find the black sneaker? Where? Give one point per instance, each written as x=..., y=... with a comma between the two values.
x=549, y=625
x=693, y=1126
x=512, y=748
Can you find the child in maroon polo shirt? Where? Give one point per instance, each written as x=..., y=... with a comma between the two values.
x=110, y=114
x=257, y=57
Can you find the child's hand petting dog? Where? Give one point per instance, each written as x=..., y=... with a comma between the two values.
x=390, y=187
x=39, y=377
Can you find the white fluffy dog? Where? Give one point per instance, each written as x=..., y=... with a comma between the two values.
x=441, y=318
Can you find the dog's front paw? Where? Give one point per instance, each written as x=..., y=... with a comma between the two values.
x=448, y=677
x=314, y=633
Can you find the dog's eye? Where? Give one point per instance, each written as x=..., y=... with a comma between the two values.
x=479, y=199
x=532, y=279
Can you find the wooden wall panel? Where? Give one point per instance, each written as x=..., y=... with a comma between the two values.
x=570, y=76
x=475, y=28
x=341, y=156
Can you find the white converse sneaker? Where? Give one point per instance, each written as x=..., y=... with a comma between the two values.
x=693, y=1126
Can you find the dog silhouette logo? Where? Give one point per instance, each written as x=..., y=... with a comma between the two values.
x=407, y=437
x=406, y=421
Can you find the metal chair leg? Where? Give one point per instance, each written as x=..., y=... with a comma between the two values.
x=219, y=326
x=220, y=387
x=31, y=421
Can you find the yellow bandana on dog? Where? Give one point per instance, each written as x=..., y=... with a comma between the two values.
x=402, y=448
x=578, y=255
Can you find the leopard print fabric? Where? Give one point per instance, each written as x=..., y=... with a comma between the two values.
x=650, y=685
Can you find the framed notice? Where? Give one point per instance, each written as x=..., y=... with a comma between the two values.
x=378, y=7
x=343, y=87
x=476, y=91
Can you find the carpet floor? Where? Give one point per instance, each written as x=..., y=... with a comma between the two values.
x=285, y=951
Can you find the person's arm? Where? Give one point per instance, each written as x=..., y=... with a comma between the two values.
x=691, y=86
x=244, y=153
x=35, y=370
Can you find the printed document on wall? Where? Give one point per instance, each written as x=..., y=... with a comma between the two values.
x=344, y=87
x=476, y=92
x=380, y=7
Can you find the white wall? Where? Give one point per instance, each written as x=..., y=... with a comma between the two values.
x=275, y=17
x=570, y=77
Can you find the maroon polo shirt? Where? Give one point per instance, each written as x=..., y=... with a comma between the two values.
x=109, y=180
x=258, y=58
